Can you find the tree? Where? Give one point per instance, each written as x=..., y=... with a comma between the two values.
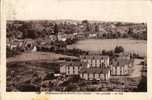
x=119, y=49
x=96, y=28
x=11, y=53
x=55, y=28
x=142, y=86
x=103, y=52
x=85, y=22
x=87, y=25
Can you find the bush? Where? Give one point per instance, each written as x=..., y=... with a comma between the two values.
x=118, y=49
x=11, y=53
x=142, y=86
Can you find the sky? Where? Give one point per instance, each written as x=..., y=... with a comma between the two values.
x=106, y=10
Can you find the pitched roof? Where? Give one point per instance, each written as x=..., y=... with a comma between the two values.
x=94, y=57
x=120, y=62
x=75, y=63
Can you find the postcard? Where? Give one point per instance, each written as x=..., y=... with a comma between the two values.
x=80, y=50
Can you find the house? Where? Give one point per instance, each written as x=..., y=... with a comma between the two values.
x=120, y=67
x=80, y=36
x=122, y=30
x=95, y=73
x=124, y=55
x=62, y=37
x=52, y=37
x=71, y=68
x=95, y=60
x=92, y=35
x=29, y=45
x=15, y=44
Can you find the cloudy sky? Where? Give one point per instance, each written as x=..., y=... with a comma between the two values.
x=106, y=10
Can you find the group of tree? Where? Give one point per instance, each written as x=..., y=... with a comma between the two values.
x=142, y=86
x=11, y=53
x=118, y=49
x=36, y=29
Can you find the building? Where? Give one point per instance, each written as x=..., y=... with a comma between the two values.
x=53, y=38
x=71, y=68
x=29, y=45
x=20, y=44
x=62, y=36
x=95, y=73
x=15, y=44
x=95, y=60
x=97, y=67
x=122, y=30
x=120, y=67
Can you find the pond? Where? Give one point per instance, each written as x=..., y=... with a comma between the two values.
x=129, y=45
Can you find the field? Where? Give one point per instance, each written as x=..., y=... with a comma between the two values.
x=136, y=46
x=22, y=68
x=36, y=56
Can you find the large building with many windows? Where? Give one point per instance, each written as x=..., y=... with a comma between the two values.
x=95, y=73
x=97, y=67
x=71, y=68
x=120, y=66
x=94, y=60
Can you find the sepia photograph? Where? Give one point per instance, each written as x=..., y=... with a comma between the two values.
x=67, y=55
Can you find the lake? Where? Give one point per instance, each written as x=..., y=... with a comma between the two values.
x=129, y=45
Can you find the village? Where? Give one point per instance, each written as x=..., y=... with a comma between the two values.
x=76, y=70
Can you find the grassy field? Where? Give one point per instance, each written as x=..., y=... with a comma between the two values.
x=36, y=56
x=136, y=46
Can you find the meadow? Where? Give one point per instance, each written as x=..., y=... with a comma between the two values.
x=129, y=45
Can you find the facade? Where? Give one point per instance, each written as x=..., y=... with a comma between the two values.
x=94, y=60
x=62, y=37
x=95, y=73
x=26, y=44
x=71, y=68
x=120, y=67
x=97, y=67
x=52, y=38
x=14, y=44
x=90, y=68
x=80, y=36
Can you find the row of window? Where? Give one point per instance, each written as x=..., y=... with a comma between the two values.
x=72, y=70
x=93, y=76
x=120, y=71
x=94, y=57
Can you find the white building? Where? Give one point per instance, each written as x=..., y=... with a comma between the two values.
x=95, y=60
x=120, y=67
x=71, y=68
x=95, y=73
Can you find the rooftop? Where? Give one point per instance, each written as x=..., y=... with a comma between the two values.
x=120, y=61
x=75, y=63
